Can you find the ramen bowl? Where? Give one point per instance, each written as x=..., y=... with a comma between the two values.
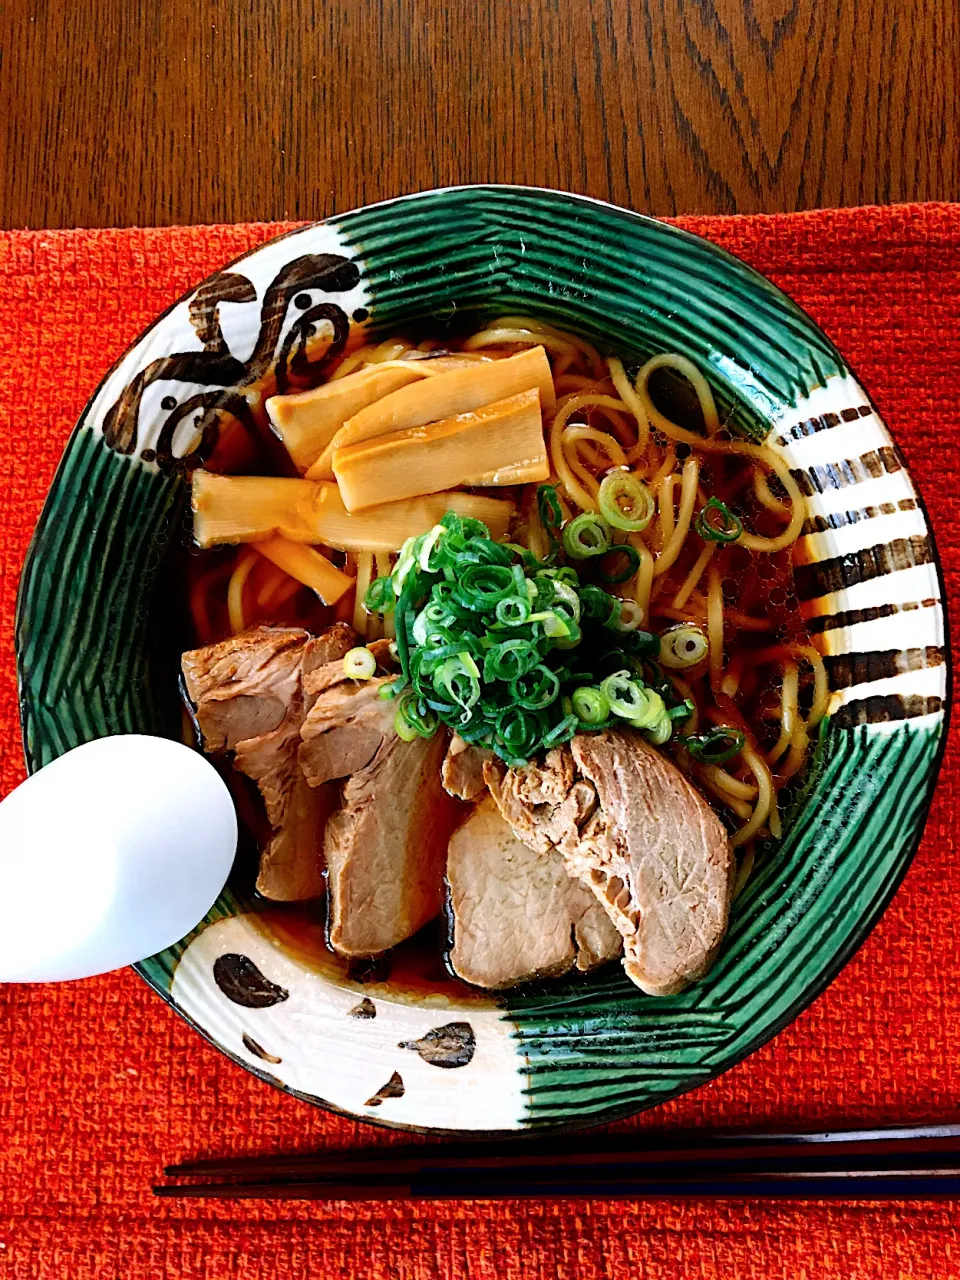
x=398, y=1042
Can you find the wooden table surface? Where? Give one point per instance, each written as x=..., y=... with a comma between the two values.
x=120, y=112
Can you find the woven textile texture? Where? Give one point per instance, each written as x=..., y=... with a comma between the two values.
x=101, y=1083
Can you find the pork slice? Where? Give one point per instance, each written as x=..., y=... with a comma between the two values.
x=382, y=651
x=643, y=839
x=658, y=858
x=544, y=803
x=344, y=729
x=386, y=845
x=243, y=686
x=291, y=867
x=332, y=645
x=323, y=668
x=517, y=914
x=323, y=657
x=462, y=773
x=249, y=699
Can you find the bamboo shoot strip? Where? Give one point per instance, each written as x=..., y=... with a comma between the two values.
x=307, y=566
x=308, y=421
x=232, y=509
x=497, y=443
x=461, y=391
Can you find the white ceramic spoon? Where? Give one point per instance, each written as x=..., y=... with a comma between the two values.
x=109, y=854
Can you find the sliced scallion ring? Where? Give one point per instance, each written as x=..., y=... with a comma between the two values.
x=625, y=502
x=513, y=611
x=652, y=713
x=717, y=523
x=625, y=695
x=586, y=535
x=629, y=617
x=380, y=597
x=536, y=689
x=548, y=507
x=632, y=558
x=426, y=559
x=683, y=646
x=359, y=663
x=660, y=732
x=590, y=705
x=715, y=746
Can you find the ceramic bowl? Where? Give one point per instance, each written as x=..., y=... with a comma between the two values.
x=95, y=610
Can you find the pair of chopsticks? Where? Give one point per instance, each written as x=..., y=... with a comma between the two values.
x=902, y=1162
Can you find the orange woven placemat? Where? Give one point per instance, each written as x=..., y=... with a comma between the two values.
x=101, y=1083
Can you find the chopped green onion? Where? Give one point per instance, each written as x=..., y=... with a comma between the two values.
x=380, y=596
x=599, y=604
x=682, y=712
x=590, y=705
x=456, y=682
x=629, y=617
x=586, y=535
x=632, y=556
x=518, y=731
x=514, y=611
x=359, y=663
x=561, y=733
x=683, y=646
x=481, y=587
x=403, y=728
x=566, y=599
x=415, y=717
x=625, y=503
x=715, y=746
x=653, y=713
x=428, y=557
x=509, y=660
x=625, y=696
x=725, y=527
x=488, y=642
x=551, y=513
x=536, y=689
x=555, y=625
x=660, y=732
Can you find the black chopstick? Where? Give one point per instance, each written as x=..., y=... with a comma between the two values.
x=690, y=1147
x=830, y=1185
x=892, y=1162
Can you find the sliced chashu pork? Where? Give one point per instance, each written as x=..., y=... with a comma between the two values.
x=462, y=772
x=632, y=827
x=518, y=914
x=249, y=698
x=386, y=845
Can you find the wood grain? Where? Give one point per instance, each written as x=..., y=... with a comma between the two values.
x=120, y=112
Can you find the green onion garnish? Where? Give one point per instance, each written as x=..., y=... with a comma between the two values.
x=625, y=571
x=548, y=506
x=683, y=646
x=625, y=696
x=490, y=641
x=723, y=526
x=586, y=535
x=625, y=503
x=380, y=597
x=715, y=746
x=536, y=689
x=630, y=617
x=660, y=732
x=590, y=705
x=359, y=663
x=513, y=611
